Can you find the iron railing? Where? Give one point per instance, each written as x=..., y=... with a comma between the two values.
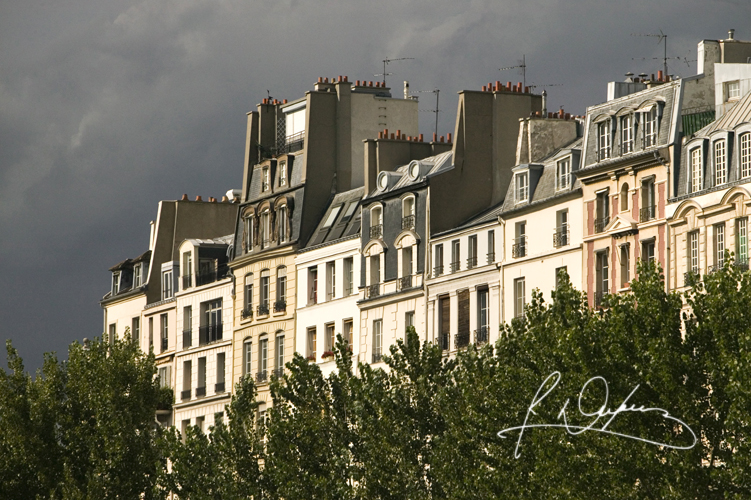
x=212, y=276
x=561, y=237
x=438, y=271
x=404, y=282
x=491, y=257
x=519, y=248
x=742, y=265
x=481, y=335
x=280, y=306
x=687, y=276
x=263, y=310
x=200, y=391
x=187, y=338
x=261, y=376
x=373, y=291
x=185, y=395
x=209, y=333
x=471, y=262
x=376, y=232
x=247, y=313
x=408, y=222
x=187, y=281
x=715, y=268
x=461, y=340
x=291, y=143
x=443, y=340
x=455, y=266
x=601, y=223
x=219, y=387
x=647, y=213
x=377, y=357
x=278, y=372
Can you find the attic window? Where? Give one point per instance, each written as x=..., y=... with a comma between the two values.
x=283, y=173
x=265, y=179
x=563, y=174
x=350, y=210
x=115, y=283
x=733, y=90
x=332, y=216
x=521, y=187
x=137, y=273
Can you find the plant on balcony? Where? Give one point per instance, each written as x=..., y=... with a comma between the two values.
x=327, y=354
x=312, y=357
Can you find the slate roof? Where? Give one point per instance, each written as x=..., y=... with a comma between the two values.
x=433, y=165
x=739, y=113
x=345, y=211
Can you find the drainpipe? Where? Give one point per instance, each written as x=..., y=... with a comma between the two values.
x=666, y=164
x=427, y=262
x=502, y=223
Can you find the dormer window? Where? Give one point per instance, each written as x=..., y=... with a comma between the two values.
x=376, y=223
x=265, y=229
x=650, y=127
x=137, y=275
x=248, y=233
x=696, y=170
x=745, y=155
x=167, y=285
x=332, y=216
x=521, y=187
x=720, y=170
x=627, y=134
x=115, y=283
x=283, y=173
x=265, y=179
x=408, y=212
x=282, y=217
x=732, y=90
x=603, y=140
x=563, y=174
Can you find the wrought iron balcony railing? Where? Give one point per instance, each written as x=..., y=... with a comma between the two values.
x=263, y=310
x=647, y=213
x=291, y=143
x=404, y=282
x=377, y=357
x=372, y=291
x=187, y=339
x=715, y=268
x=187, y=281
x=471, y=262
x=601, y=223
x=491, y=257
x=561, y=237
x=519, y=248
x=481, y=335
x=455, y=266
x=261, y=376
x=247, y=312
x=437, y=271
x=200, y=391
x=280, y=306
x=219, y=388
x=212, y=276
x=443, y=340
x=376, y=232
x=687, y=276
x=461, y=340
x=165, y=343
x=209, y=333
x=742, y=265
x=408, y=222
x=278, y=372
x=185, y=395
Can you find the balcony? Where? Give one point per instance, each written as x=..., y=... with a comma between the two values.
x=278, y=372
x=376, y=232
x=437, y=271
x=599, y=296
x=481, y=335
x=491, y=257
x=372, y=291
x=461, y=340
x=408, y=222
x=519, y=248
x=219, y=388
x=647, y=213
x=443, y=340
x=692, y=275
x=187, y=281
x=561, y=237
x=185, y=395
x=209, y=333
x=404, y=282
x=741, y=265
x=263, y=309
x=247, y=313
x=455, y=266
x=211, y=276
x=200, y=391
x=261, y=376
x=165, y=343
x=280, y=306
x=187, y=339
x=291, y=143
x=377, y=357
x=471, y=262
x=601, y=223
x=715, y=268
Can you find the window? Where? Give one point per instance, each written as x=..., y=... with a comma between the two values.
x=347, y=329
x=349, y=276
x=376, y=223
x=187, y=379
x=112, y=334
x=115, y=283
x=265, y=179
x=519, y=248
x=283, y=221
x=263, y=300
x=693, y=252
x=165, y=331
x=521, y=184
x=696, y=170
x=332, y=216
x=265, y=229
x=623, y=197
x=472, y=259
x=248, y=230
x=279, y=361
x=559, y=272
x=719, y=163
x=281, y=289
x=483, y=316
x=745, y=153
x=283, y=173
x=151, y=333
x=602, y=276
x=247, y=352
x=602, y=217
x=375, y=269
x=167, y=285
x=719, y=245
x=350, y=210
x=444, y=321
x=519, y=297
x=650, y=127
x=741, y=244
x=220, y=373
x=603, y=140
x=330, y=280
x=408, y=213
x=187, y=269
x=201, y=386
x=312, y=342
x=184, y=427
x=407, y=261
x=491, y=246
x=135, y=329
x=211, y=322
x=438, y=260
x=199, y=422
x=377, y=340
x=648, y=250
x=312, y=285
x=733, y=90
x=561, y=237
x=648, y=208
x=563, y=174
x=627, y=134
x=462, y=319
x=455, y=253
x=625, y=265
x=409, y=319
x=330, y=337
x=247, y=311
x=137, y=275
x=187, y=326
x=165, y=376
x=263, y=359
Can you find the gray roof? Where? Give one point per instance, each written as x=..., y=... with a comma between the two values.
x=739, y=113
x=343, y=217
x=432, y=165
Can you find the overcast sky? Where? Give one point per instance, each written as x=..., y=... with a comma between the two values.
x=108, y=107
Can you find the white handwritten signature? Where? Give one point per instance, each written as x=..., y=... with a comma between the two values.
x=602, y=412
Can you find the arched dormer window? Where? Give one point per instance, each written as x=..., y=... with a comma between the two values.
x=627, y=133
x=282, y=223
x=720, y=162
x=745, y=154
x=696, y=172
x=408, y=212
x=265, y=227
x=376, y=222
x=249, y=237
x=604, y=138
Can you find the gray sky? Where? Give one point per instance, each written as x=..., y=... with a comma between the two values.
x=108, y=107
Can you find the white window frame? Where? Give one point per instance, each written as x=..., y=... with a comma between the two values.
x=693, y=251
x=733, y=90
x=650, y=127
x=167, y=284
x=137, y=275
x=265, y=179
x=283, y=173
x=519, y=297
x=741, y=246
x=627, y=133
x=745, y=154
x=719, y=244
x=563, y=174
x=521, y=187
x=282, y=217
x=330, y=280
x=604, y=149
x=116, y=282
x=279, y=358
x=720, y=164
x=697, y=180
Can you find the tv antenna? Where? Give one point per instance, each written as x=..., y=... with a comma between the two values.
x=661, y=38
x=385, y=62
x=522, y=66
x=533, y=86
x=436, y=110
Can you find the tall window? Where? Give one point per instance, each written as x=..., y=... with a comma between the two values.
x=483, y=316
x=115, y=283
x=151, y=333
x=444, y=307
x=560, y=238
x=248, y=296
x=407, y=261
x=648, y=210
x=165, y=376
x=265, y=229
x=265, y=179
x=602, y=276
x=719, y=244
x=283, y=173
x=187, y=379
x=693, y=252
x=720, y=169
x=603, y=140
x=164, y=331
x=376, y=223
x=248, y=229
x=138, y=274
x=627, y=134
x=330, y=280
x=211, y=329
x=409, y=319
x=112, y=333
x=648, y=250
x=472, y=259
x=167, y=285
x=519, y=248
x=247, y=351
x=330, y=336
x=741, y=245
x=187, y=269
x=559, y=271
x=377, y=340
x=563, y=174
x=201, y=383
x=312, y=342
x=491, y=246
x=312, y=285
x=650, y=127
x=625, y=265
x=349, y=276
x=282, y=218
x=696, y=170
x=438, y=260
x=279, y=362
x=408, y=213
x=519, y=291
x=745, y=155
x=263, y=300
x=187, y=326
x=263, y=357
x=375, y=269
x=521, y=192
x=135, y=330
x=220, y=372
x=623, y=197
x=347, y=331
x=602, y=217
x=281, y=289
x=455, y=253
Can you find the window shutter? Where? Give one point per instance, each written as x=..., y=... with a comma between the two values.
x=463, y=316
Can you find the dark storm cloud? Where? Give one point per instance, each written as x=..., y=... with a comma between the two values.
x=108, y=107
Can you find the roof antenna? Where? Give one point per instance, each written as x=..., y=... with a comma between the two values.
x=436, y=110
x=385, y=62
x=522, y=65
x=662, y=38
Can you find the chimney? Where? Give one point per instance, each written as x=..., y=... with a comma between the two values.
x=731, y=34
x=544, y=103
x=406, y=89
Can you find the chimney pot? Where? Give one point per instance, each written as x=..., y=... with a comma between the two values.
x=340, y=78
x=448, y=136
x=346, y=78
x=435, y=137
x=497, y=85
x=225, y=199
x=508, y=86
x=731, y=34
x=380, y=134
x=659, y=75
x=392, y=135
x=409, y=137
x=526, y=90
x=385, y=132
x=284, y=101
x=653, y=77
x=550, y=114
x=441, y=139
x=198, y=198
x=320, y=79
x=185, y=197
x=357, y=83
x=420, y=137
x=568, y=116
x=484, y=88
x=370, y=83
x=398, y=133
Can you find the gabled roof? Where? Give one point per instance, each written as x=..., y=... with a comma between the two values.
x=739, y=113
